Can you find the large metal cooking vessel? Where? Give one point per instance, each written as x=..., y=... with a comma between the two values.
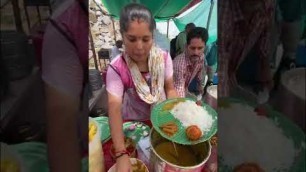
x=158, y=164
x=290, y=98
x=210, y=98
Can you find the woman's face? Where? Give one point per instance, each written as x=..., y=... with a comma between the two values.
x=138, y=40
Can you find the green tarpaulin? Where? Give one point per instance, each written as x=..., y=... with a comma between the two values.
x=164, y=10
x=161, y=9
x=199, y=17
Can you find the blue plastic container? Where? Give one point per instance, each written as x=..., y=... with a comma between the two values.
x=215, y=79
x=301, y=56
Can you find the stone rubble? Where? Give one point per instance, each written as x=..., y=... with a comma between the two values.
x=102, y=27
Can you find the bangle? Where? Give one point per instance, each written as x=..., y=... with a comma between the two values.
x=122, y=153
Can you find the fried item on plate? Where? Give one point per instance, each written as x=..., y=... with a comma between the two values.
x=248, y=167
x=169, y=128
x=193, y=132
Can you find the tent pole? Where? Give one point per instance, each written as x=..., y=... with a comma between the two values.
x=17, y=16
x=168, y=21
x=114, y=28
x=93, y=50
x=210, y=12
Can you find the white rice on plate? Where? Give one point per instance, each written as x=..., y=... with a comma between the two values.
x=247, y=137
x=189, y=113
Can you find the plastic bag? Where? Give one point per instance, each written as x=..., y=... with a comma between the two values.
x=96, y=157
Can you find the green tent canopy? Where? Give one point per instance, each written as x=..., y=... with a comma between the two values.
x=161, y=9
x=164, y=10
x=199, y=16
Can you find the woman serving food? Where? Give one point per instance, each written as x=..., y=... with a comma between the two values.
x=138, y=78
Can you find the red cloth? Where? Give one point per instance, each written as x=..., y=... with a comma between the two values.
x=109, y=162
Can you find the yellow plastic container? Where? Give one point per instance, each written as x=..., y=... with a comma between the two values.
x=96, y=157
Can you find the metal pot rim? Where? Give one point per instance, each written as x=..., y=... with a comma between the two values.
x=210, y=88
x=285, y=77
x=176, y=166
x=287, y=74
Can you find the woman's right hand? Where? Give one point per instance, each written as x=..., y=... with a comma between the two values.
x=123, y=164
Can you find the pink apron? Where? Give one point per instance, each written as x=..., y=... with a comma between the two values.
x=133, y=108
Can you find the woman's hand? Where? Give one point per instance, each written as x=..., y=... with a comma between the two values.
x=115, y=123
x=123, y=164
x=170, y=89
x=199, y=100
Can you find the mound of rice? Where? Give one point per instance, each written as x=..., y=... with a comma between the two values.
x=189, y=113
x=247, y=137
